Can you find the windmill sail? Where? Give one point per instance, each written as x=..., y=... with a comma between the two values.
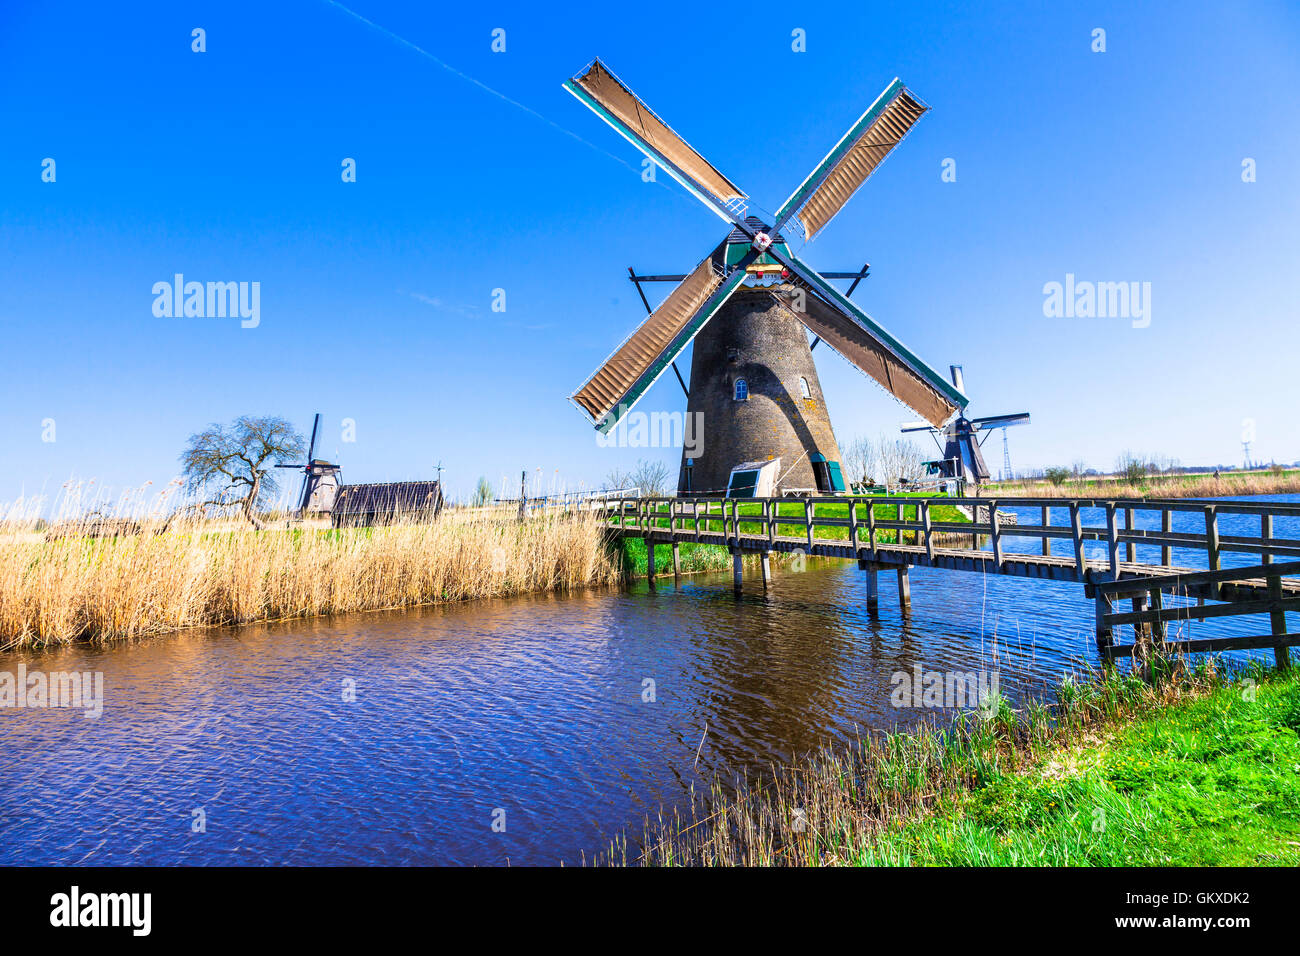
x=854, y=158
x=950, y=395
x=863, y=349
x=608, y=98
x=1001, y=421
x=626, y=375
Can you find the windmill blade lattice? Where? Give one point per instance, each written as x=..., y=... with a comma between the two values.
x=607, y=96
x=863, y=351
x=636, y=364
x=855, y=157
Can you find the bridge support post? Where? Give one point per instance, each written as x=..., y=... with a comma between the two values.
x=1277, y=617
x=650, y=561
x=1141, y=630
x=904, y=589
x=767, y=569
x=873, y=585
x=1159, y=629
x=1104, y=631
x=677, y=561
x=738, y=569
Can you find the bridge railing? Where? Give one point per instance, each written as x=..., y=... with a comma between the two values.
x=1151, y=617
x=912, y=521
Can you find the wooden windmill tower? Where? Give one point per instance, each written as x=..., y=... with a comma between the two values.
x=320, y=479
x=749, y=301
x=959, y=440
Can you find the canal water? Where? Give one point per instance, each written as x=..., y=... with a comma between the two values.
x=402, y=738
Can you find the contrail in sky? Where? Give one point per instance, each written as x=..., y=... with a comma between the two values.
x=481, y=85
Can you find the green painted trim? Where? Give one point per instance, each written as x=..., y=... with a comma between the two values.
x=837, y=476
x=737, y=251
x=846, y=142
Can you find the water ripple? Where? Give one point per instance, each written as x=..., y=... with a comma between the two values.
x=534, y=706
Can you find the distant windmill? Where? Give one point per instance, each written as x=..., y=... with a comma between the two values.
x=747, y=304
x=962, y=458
x=320, y=479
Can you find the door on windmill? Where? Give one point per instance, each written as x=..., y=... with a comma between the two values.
x=829, y=477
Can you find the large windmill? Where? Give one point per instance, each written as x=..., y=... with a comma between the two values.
x=320, y=479
x=752, y=374
x=959, y=440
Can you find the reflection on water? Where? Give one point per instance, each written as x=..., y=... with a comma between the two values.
x=532, y=705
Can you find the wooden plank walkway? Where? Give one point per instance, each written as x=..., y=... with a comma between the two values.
x=756, y=526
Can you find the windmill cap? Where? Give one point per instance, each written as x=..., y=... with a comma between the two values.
x=739, y=238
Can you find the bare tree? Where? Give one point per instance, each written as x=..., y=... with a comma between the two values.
x=233, y=463
x=885, y=461
x=855, y=458
x=651, y=477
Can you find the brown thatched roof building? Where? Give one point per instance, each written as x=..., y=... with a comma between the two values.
x=389, y=503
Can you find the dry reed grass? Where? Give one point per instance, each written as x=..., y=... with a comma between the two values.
x=61, y=586
x=1230, y=485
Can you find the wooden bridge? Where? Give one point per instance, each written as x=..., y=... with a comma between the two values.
x=908, y=537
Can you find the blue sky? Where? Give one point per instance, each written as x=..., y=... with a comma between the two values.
x=376, y=295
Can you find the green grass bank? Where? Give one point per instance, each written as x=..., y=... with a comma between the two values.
x=1202, y=769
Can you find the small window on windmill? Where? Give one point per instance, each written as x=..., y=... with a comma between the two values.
x=733, y=355
x=803, y=387
x=742, y=390
x=688, y=474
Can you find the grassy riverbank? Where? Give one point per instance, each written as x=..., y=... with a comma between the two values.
x=57, y=589
x=1227, y=485
x=1201, y=770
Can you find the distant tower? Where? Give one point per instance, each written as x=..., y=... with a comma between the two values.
x=1245, y=455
